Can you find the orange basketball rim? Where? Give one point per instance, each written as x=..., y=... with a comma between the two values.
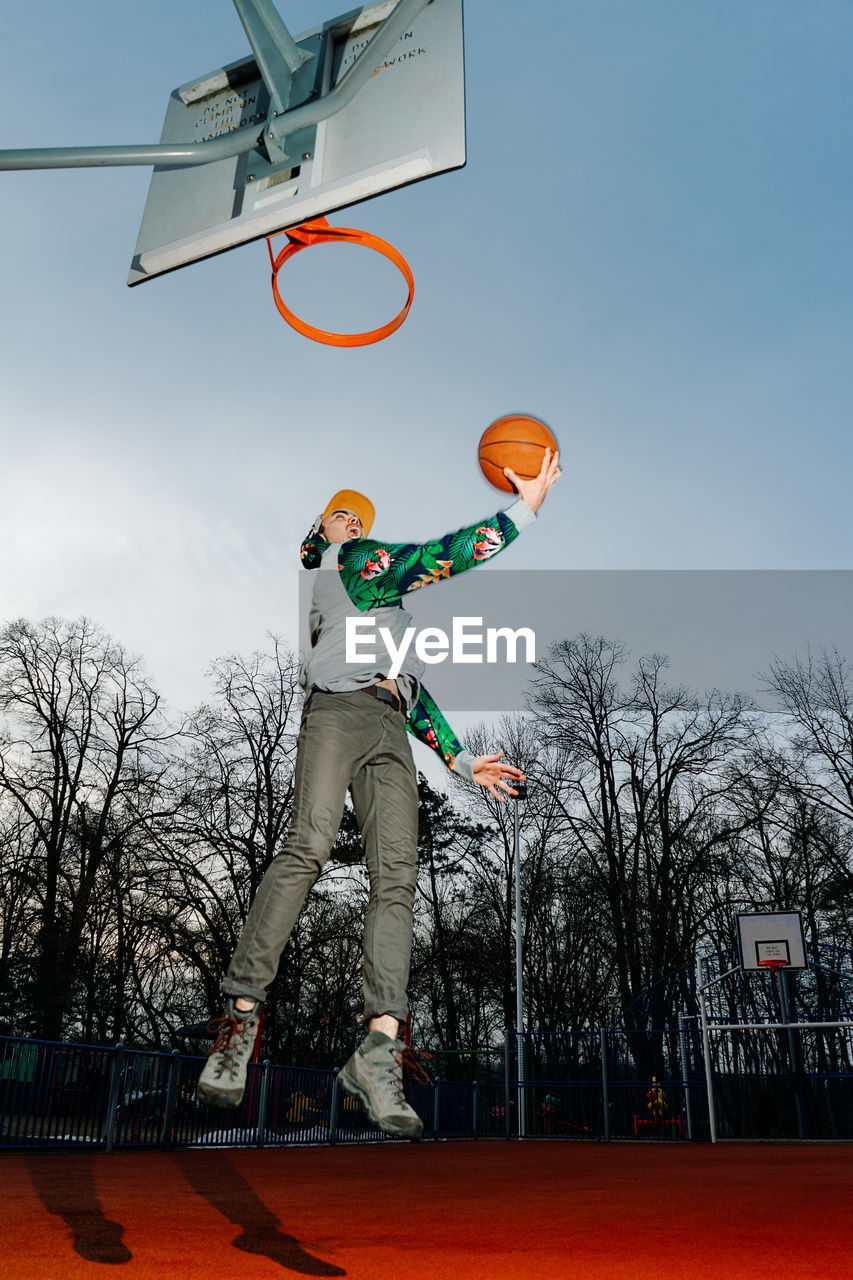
x=318, y=231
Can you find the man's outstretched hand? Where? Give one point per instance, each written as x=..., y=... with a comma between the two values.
x=533, y=491
x=490, y=773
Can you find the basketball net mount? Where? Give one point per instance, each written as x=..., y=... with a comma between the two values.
x=318, y=231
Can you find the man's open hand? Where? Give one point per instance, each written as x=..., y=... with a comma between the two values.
x=533, y=491
x=490, y=773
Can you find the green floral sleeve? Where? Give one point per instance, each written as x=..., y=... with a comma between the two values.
x=427, y=724
x=382, y=573
x=311, y=551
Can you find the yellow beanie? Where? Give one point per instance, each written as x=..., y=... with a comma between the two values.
x=349, y=500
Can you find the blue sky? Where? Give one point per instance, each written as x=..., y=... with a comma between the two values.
x=649, y=247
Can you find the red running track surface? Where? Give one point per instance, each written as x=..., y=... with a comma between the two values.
x=444, y=1211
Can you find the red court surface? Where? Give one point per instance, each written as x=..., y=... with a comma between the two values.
x=465, y=1210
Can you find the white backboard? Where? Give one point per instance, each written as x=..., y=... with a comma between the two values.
x=771, y=936
x=406, y=123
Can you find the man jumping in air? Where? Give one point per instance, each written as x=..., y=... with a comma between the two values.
x=353, y=737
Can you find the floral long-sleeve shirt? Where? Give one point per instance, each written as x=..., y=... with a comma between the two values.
x=378, y=575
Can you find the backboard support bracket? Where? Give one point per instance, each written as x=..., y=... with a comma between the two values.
x=284, y=68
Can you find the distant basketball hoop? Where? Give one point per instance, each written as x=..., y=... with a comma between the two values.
x=771, y=940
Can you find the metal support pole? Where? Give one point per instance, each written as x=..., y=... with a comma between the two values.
x=436, y=1115
x=171, y=1099
x=276, y=52
x=519, y=977
x=793, y=1053
x=706, y=1054
x=475, y=1108
x=262, y=1101
x=174, y=154
x=333, y=1109
x=279, y=58
x=605, y=1094
x=116, y=1073
x=507, y=1078
x=685, y=1079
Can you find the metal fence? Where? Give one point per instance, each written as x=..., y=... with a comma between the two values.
x=607, y=1084
x=602, y=1084
x=63, y=1095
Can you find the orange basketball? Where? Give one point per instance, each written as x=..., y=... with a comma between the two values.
x=515, y=441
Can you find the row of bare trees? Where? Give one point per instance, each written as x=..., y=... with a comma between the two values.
x=131, y=843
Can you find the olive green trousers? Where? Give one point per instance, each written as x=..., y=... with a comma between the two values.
x=347, y=741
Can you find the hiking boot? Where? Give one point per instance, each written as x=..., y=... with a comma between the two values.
x=374, y=1075
x=223, y=1079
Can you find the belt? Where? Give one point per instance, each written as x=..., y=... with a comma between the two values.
x=381, y=694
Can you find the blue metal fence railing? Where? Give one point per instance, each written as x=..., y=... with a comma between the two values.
x=594, y=1085
x=52, y=1094
x=609, y=1083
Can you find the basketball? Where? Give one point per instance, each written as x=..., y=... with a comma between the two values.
x=515, y=441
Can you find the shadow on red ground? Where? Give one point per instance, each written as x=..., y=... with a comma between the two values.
x=448, y=1211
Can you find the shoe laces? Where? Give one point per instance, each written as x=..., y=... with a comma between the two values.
x=230, y=1036
x=414, y=1060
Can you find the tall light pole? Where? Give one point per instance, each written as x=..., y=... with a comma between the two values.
x=521, y=789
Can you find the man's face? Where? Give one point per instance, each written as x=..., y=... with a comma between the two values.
x=342, y=526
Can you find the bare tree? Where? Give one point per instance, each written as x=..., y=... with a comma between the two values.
x=82, y=754
x=235, y=802
x=19, y=915
x=452, y=987
x=243, y=750
x=644, y=786
x=816, y=696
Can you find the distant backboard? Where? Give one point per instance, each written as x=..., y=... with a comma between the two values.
x=771, y=938
x=406, y=123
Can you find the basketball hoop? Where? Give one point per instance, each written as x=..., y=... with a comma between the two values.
x=773, y=965
x=318, y=231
